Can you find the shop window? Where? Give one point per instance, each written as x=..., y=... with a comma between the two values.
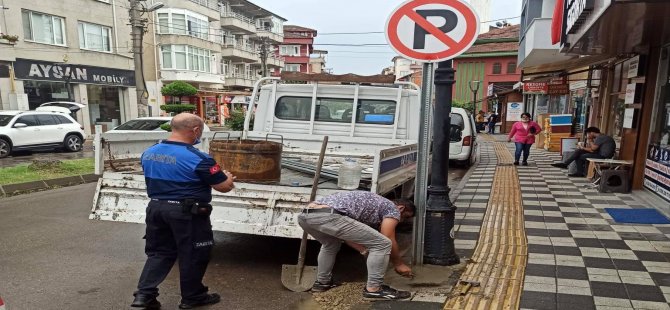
x=104, y=105
x=42, y=91
x=94, y=37
x=511, y=67
x=43, y=28
x=497, y=68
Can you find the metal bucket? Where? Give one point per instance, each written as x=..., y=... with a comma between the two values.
x=249, y=160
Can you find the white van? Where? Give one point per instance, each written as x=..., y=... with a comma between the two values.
x=463, y=146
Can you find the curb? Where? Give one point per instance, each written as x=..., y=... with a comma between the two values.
x=29, y=187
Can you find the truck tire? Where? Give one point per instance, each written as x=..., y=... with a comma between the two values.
x=73, y=143
x=5, y=148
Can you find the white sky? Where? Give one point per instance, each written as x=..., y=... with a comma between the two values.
x=358, y=16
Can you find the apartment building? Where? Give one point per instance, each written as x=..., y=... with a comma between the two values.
x=53, y=52
x=213, y=45
x=297, y=47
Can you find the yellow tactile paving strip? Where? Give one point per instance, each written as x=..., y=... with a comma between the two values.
x=499, y=260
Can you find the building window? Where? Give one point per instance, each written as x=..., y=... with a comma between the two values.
x=497, y=68
x=183, y=22
x=511, y=67
x=185, y=57
x=292, y=67
x=95, y=37
x=289, y=50
x=43, y=28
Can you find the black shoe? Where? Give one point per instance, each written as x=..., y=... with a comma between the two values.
x=322, y=287
x=516, y=163
x=525, y=163
x=560, y=165
x=210, y=299
x=386, y=292
x=146, y=302
x=575, y=175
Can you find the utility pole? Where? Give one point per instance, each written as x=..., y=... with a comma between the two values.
x=138, y=26
x=264, y=53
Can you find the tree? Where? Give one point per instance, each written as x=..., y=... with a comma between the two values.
x=178, y=89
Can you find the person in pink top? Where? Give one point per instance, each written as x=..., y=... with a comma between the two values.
x=523, y=133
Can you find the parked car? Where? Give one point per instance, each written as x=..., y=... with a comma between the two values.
x=463, y=137
x=146, y=124
x=37, y=130
x=62, y=106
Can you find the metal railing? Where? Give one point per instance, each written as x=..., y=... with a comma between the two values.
x=239, y=46
x=239, y=16
x=240, y=76
x=211, y=4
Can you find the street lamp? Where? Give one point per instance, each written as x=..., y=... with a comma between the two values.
x=474, y=87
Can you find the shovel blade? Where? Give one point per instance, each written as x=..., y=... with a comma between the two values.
x=289, y=274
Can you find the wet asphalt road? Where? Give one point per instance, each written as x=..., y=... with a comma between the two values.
x=53, y=257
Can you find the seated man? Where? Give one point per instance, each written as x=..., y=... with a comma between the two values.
x=603, y=147
x=357, y=217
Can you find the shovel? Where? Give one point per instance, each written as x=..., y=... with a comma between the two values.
x=300, y=278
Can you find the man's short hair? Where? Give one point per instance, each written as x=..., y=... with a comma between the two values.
x=592, y=130
x=409, y=205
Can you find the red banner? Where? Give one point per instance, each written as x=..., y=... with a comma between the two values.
x=535, y=88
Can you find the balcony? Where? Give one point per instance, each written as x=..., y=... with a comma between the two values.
x=239, y=53
x=240, y=80
x=276, y=61
x=212, y=42
x=238, y=22
x=192, y=76
x=209, y=8
x=267, y=33
x=535, y=47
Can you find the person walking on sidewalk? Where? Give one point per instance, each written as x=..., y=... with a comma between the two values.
x=492, y=120
x=603, y=147
x=179, y=182
x=358, y=217
x=523, y=133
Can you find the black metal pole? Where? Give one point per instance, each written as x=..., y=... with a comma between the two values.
x=440, y=211
x=474, y=101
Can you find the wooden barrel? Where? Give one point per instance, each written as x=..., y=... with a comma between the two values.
x=249, y=160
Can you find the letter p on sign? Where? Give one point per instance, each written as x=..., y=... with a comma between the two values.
x=432, y=30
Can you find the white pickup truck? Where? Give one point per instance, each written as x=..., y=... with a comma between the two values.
x=376, y=125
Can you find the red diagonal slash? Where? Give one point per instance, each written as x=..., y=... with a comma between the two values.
x=428, y=26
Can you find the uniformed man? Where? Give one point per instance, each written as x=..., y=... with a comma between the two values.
x=363, y=220
x=179, y=182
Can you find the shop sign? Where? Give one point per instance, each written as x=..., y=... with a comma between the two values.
x=489, y=90
x=633, y=93
x=578, y=85
x=514, y=111
x=634, y=67
x=657, y=170
x=558, y=89
x=27, y=69
x=535, y=88
x=628, y=116
x=578, y=10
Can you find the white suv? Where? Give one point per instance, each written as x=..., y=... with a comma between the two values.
x=32, y=130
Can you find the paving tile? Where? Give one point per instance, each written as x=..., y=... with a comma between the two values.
x=627, y=264
x=540, y=287
x=639, y=304
x=602, y=271
x=608, y=289
x=621, y=254
x=594, y=252
x=538, y=300
x=541, y=280
x=661, y=279
x=540, y=248
x=539, y=270
x=564, y=250
x=570, y=272
x=645, y=293
x=578, y=300
x=588, y=242
x=614, y=302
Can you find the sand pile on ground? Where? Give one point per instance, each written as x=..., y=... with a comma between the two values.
x=343, y=297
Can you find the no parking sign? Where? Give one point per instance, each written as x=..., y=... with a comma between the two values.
x=432, y=30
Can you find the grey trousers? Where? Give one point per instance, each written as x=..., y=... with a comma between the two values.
x=331, y=229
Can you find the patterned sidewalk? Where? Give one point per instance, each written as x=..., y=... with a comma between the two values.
x=578, y=257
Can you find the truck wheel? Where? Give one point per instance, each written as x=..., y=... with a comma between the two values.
x=5, y=148
x=73, y=143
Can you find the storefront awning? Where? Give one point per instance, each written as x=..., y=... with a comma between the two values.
x=558, y=67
